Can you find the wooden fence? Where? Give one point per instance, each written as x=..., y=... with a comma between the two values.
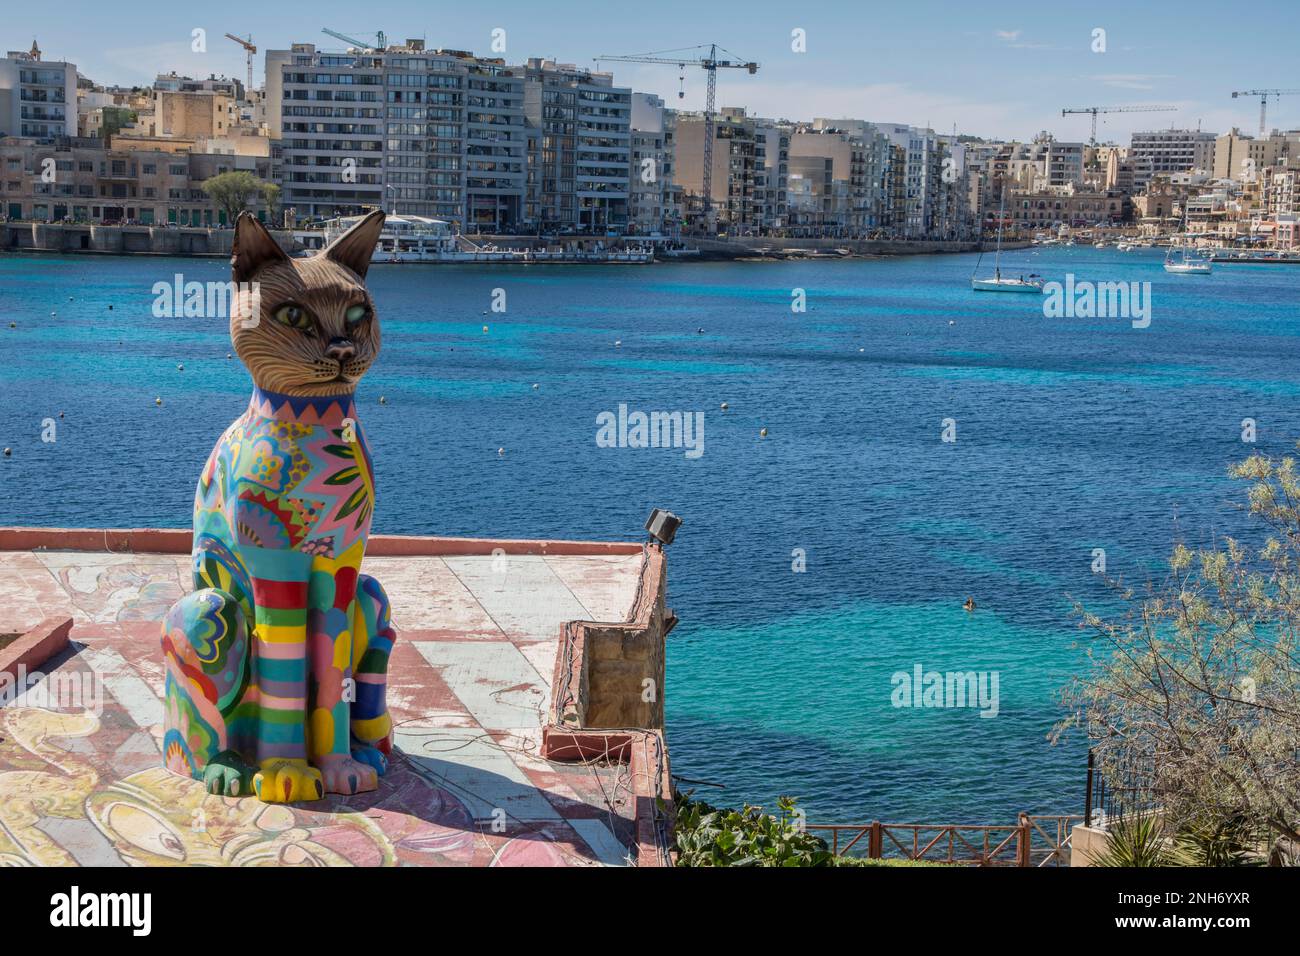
x=1036, y=840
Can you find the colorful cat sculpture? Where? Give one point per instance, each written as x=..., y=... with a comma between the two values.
x=276, y=664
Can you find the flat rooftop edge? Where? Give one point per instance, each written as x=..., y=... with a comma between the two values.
x=180, y=540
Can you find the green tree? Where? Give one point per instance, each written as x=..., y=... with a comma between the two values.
x=271, y=196
x=1198, y=683
x=232, y=191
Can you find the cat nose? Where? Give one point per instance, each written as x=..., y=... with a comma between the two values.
x=340, y=349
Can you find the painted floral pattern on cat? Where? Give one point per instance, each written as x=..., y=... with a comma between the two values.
x=277, y=663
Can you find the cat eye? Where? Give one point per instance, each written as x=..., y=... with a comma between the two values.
x=356, y=315
x=296, y=317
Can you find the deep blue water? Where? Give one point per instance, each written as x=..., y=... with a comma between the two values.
x=1072, y=434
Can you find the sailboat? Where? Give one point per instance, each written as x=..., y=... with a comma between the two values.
x=1032, y=283
x=1187, y=262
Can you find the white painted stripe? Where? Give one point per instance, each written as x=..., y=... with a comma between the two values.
x=603, y=843
x=130, y=689
x=492, y=679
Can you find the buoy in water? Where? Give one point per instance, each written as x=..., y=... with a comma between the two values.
x=762, y=433
x=157, y=401
x=180, y=366
x=724, y=406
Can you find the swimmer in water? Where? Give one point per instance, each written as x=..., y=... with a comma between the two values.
x=970, y=603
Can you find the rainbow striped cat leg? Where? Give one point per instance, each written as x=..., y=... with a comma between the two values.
x=279, y=580
x=372, y=643
x=332, y=688
x=206, y=653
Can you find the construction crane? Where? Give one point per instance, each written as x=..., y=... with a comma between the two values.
x=1094, y=110
x=690, y=56
x=381, y=39
x=1263, y=103
x=250, y=51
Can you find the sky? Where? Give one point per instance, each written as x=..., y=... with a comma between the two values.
x=1000, y=70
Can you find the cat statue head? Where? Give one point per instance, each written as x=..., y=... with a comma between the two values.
x=304, y=327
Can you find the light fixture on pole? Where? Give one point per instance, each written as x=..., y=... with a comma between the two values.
x=662, y=526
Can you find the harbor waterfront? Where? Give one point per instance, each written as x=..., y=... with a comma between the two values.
x=831, y=534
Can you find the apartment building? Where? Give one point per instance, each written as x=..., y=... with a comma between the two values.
x=1281, y=189
x=771, y=175
x=1169, y=151
x=952, y=218
x=1063, y=207
x=865, y=165
x=1243, y=157
x=853, y=195
x=38, y=98
x=734, y=169
x=84, y=180
x=495, y=147
x=1063, y=163
x=922, y=177
x=651, y=198
x=582, y=127
x=436, y=133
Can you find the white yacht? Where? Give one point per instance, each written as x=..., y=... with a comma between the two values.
x=1186, y=263
x=1032, y=283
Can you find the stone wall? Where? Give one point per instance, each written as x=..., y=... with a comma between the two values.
x=611, y=675
x=122, y=240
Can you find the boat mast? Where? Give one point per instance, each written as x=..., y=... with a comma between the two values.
x=997, y=254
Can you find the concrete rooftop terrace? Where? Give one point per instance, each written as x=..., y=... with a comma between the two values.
x=491, y=766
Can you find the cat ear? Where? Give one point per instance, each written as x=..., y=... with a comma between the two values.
x=354, y=248
x=253, y=248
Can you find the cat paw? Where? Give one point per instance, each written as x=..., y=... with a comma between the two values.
x=227, y=775
x=371, y=756
x=344, y=775
x=283, y=780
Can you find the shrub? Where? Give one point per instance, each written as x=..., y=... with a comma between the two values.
x=711, y=836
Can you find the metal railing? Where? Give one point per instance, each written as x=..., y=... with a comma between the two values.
x=1122, y=790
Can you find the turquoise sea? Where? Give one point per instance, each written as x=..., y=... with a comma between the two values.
x=1072, y=435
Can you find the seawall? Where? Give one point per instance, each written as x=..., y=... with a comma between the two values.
x=90, y=238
